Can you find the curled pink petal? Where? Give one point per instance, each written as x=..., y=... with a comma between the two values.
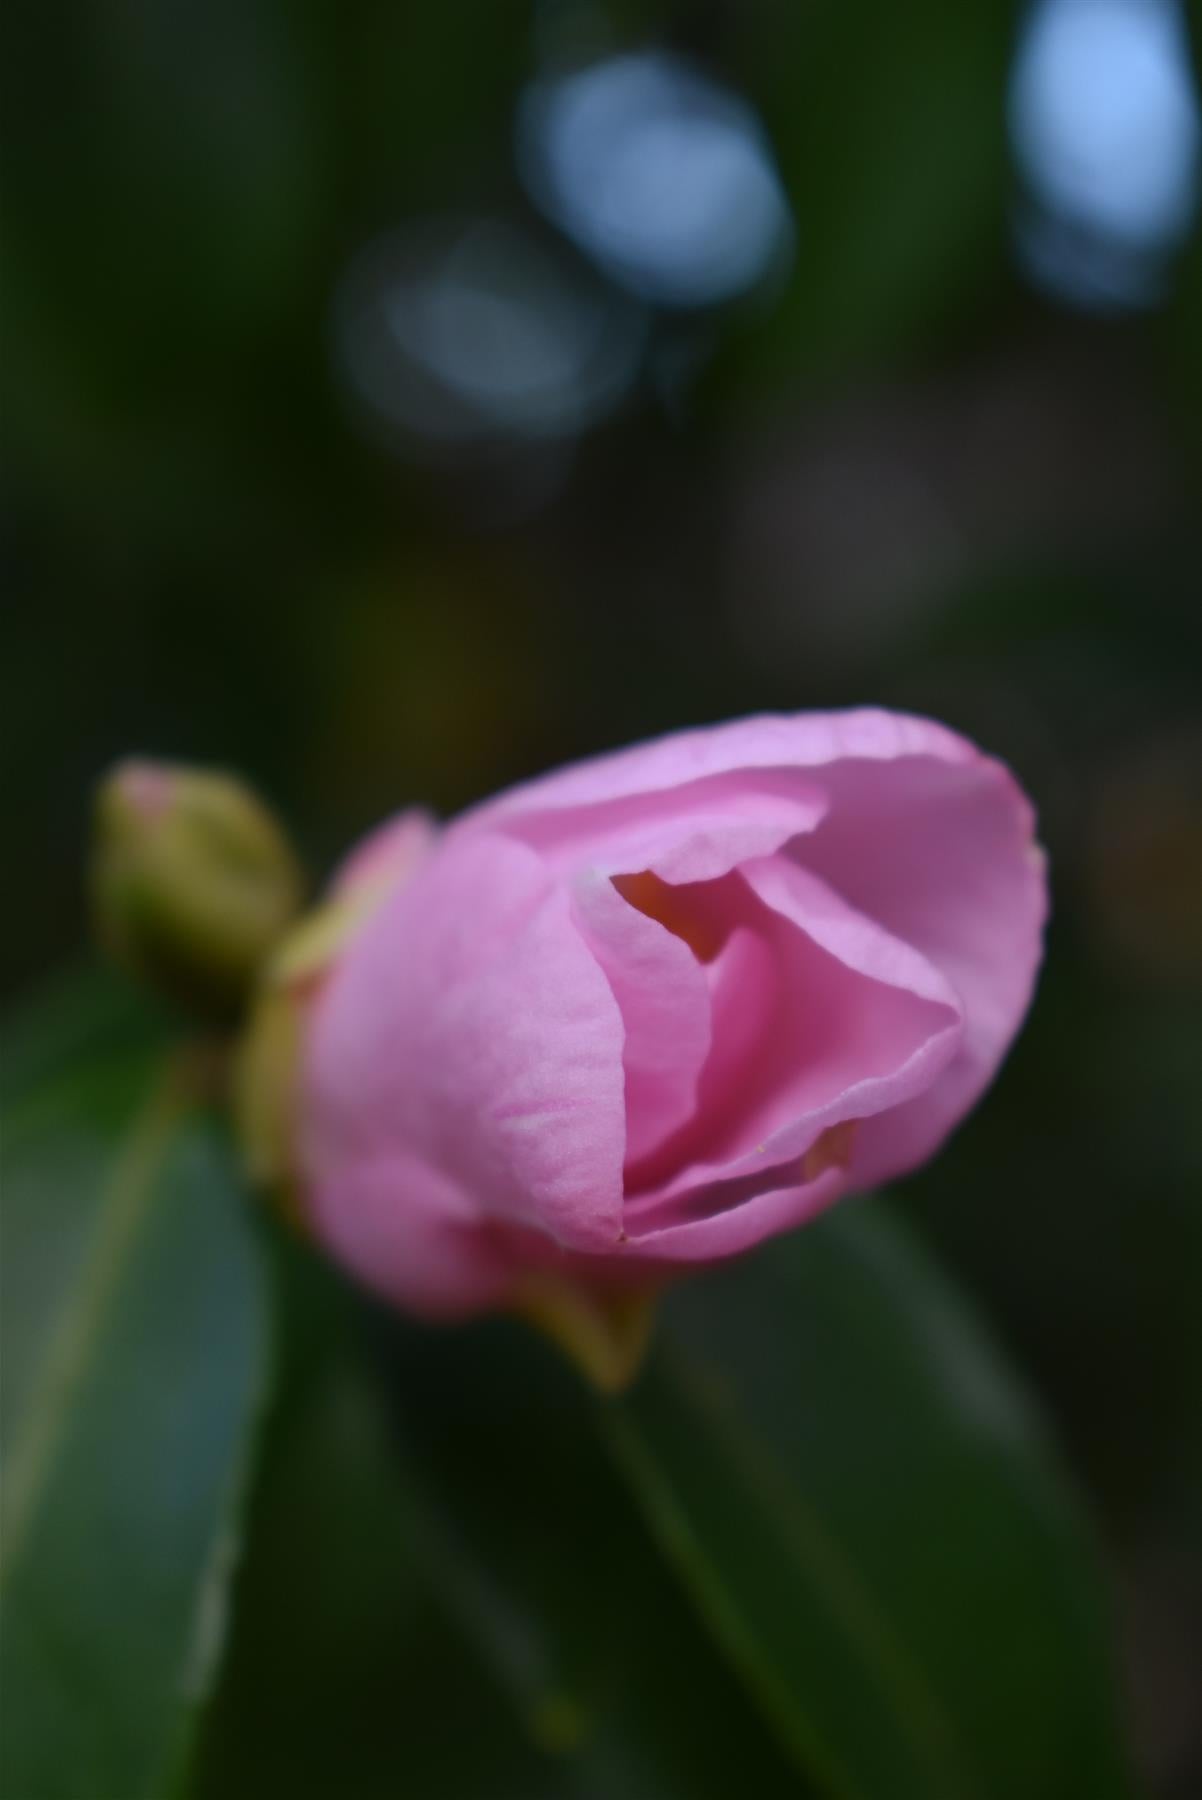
x=943, y=854
x=661, y=993
x=768, y=753
x=821, y=1020
x=470, y=1026
x=390, y=853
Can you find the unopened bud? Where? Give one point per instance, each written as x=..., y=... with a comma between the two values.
x=193, y=882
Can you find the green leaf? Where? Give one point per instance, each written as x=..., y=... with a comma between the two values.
x=446, y=1592
x=80, y=1018
x=134, y=1347
x=541, y=1557
x=874, y=1526
x=344, y=1677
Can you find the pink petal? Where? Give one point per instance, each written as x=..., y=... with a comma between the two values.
x=820, y=1017
x=766, y=753
x=693, y=832
x=655, y=976
x=942, y=853
x=410, y=1234
x=662, y=993
x=391, y=853
x=734, y=1216
x=470, y=1027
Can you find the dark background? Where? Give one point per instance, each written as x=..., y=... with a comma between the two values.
x=360, y=438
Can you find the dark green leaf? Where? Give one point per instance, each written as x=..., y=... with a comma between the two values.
x=88, y=1015
x=539, y=1553
x=133, y=1356
x=344, y=1680
x=874, y=1525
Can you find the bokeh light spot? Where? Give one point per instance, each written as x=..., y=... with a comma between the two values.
x=1104, y=120
x=457, y=332
x=661, y=175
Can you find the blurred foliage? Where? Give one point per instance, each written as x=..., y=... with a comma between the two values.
x=900, y=474
x=134, y=1353
x=832, y=1371
x=505, y=1571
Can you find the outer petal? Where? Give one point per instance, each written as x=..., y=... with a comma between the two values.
x=942, y=853
x=410, y=1234
x=767, y=751
x=469, y=1028
x=390, y=853
x=691, y=831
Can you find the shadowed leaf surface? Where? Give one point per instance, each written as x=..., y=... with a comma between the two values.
x=134, y=1348
x=874, y=1525
x=540, y=1556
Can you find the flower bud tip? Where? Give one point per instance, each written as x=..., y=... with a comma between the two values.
x=192, y=881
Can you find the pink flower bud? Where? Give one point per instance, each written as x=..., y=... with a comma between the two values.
x=638, y=1016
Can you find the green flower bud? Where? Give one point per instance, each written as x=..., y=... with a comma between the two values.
x=193, y=882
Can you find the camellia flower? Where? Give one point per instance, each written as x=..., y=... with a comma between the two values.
x=639, y=1015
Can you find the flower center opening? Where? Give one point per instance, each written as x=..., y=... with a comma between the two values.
x=671, y=907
